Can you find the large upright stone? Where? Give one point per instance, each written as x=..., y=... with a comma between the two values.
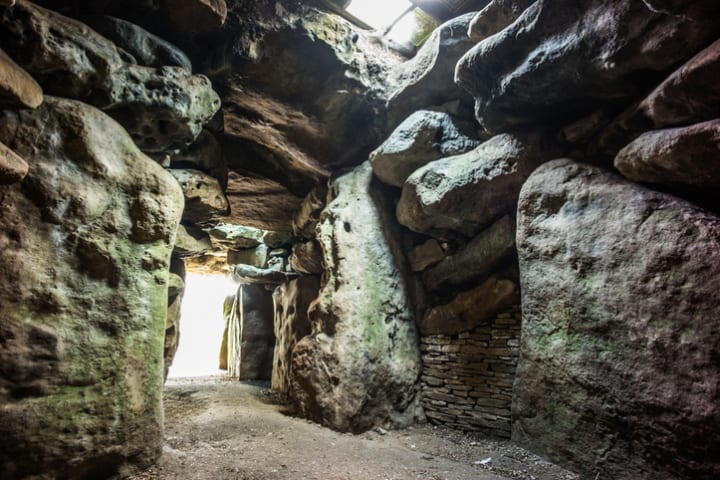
x=176, y=290
x=364, y=342
x=619, y=374
x=12, y=167
x=257, y=337
x=162, y=108
x=421, y=138
x=85, y=242
x=564, y=58
x=467, y=192
x=292, y=301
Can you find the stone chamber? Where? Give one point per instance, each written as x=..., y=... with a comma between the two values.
x=510, y=226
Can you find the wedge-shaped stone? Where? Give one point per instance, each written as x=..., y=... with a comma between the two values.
x=686, y=158
x=470, y=309
x=12, y=167
x=427, y=79
x=477, y=259
x=17, y=87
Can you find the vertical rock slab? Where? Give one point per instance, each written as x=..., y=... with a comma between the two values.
x=361, y=365
x=619, y=374
x=249, y=339
x=257, y=336
x=85, y=241
x=176, y=290
x=292, y=301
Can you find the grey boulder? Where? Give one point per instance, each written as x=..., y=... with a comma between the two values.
x=421, y=138
x=618, y=365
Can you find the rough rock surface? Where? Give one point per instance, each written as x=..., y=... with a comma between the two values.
x=12, y=167
x=236, y=236
x=17, y=87
x=196, y=15
x=425, y=255
x=686, y=158
x=205, y=201
x=206, y=155
x=528, y=73
x=147, y=49
x=85, y=242
x=618, y=372
x=248, y=274
x=255, y=257
x=191, y=242
x=465, y=193
x=291, y=300
x=257, y=337
x=477, y=259
x=308, y=214
x=470, y=309
x=427, y=79
x=162, y=108
x=259, y=202
x=496, y=15
x=176, y=289
x=325, y=110
x=307, y=257
x=689, y=95
x=364, y=342
x=421, y=138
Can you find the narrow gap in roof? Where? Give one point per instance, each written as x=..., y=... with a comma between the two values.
x=379, y=14
x=400, y=21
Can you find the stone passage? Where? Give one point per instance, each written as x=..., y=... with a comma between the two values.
x=468, y=378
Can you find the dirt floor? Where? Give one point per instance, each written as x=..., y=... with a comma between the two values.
x=220, y=429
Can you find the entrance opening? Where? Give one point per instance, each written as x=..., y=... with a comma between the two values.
x=202, y=325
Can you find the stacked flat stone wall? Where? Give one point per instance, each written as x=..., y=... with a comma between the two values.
x=468, y=378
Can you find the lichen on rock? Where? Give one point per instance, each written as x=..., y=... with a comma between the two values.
x=364, y=342
x=84, y=309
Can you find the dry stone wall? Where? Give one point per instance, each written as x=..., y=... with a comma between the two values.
x=468, y=377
